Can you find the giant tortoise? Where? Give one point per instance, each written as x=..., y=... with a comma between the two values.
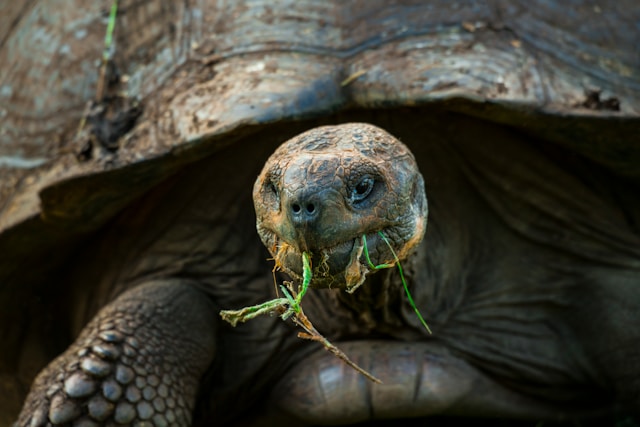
x=128, y=223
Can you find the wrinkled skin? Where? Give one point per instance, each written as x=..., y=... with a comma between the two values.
x=527, y=260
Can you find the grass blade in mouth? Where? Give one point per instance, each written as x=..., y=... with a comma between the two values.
x=400, y=271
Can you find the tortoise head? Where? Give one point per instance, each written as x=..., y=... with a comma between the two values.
x=325, y=189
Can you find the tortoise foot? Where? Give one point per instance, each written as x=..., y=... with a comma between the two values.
x=112, y=378
x=124, y=369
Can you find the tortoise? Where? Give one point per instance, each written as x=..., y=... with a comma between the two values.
x=122, y=242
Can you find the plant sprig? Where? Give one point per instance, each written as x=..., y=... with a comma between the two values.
x=290, y=306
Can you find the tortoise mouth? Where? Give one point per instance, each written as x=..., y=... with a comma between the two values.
x=343, y=265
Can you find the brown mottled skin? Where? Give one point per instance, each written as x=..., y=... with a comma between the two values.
x=517, y=274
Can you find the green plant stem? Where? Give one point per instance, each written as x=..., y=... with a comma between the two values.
x=107, y=52
x=108, y=38
x=278, y=306
x=397, y=263
x=306, y=277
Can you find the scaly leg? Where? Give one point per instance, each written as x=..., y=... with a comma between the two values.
x=140, y=359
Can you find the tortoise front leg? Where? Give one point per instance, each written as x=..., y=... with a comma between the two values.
x=140, y=359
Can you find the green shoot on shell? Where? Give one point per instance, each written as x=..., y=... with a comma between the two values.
x=107, y=53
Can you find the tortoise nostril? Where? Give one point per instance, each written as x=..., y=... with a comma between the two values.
x=305, y=208
x=310, y=208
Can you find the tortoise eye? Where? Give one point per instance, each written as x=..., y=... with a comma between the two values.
x=271, y=192
x=362, y=189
